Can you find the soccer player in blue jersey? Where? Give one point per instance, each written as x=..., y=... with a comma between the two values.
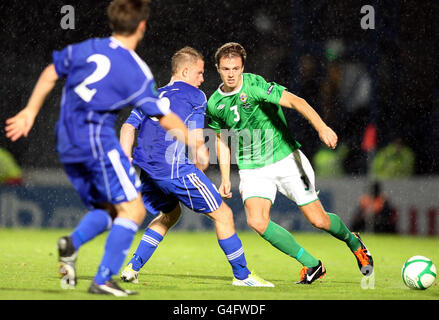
x=168, y=176
x=102, y=76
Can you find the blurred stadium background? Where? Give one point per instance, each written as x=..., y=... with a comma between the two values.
x=375, y=87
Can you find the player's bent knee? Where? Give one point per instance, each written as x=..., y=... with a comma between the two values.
x=259, y=224
x=224, y=213
x=223, y=218
x=316, y=215
x=169, y=219
x=320, y=223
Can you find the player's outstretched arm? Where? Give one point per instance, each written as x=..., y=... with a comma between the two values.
x=326, y=134
x=127, y=136
x=20, y=124
x=223, y=153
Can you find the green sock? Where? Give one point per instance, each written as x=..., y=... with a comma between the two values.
x=285, y=242
x=339, y=230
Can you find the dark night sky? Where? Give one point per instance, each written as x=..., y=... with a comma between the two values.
x=402, y=50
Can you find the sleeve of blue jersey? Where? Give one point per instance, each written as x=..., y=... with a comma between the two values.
x=62, y=60
x=136, y=117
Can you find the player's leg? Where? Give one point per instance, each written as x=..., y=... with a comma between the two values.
x=229, y=241
x=258, y=218
x=153, y=235
x=232, y=247
x=95, y=222
x=299, y=186
x=258, y=190
x=91, y=225
x=116, y=180
x=165, y=221
x=130, y=215
x=331, y=223
x=204, y=198
x=100, y=216
x=167, y=210
x=198, y=193
x=151, y=238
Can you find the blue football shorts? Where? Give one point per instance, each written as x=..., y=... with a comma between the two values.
x=110, y=179
x=194, y=190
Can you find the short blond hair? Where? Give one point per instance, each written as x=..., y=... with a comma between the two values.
x=185, y=55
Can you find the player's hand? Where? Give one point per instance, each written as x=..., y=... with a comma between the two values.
x=328, y=136
x=19, y=125
x=202, y=158
x=224, y=189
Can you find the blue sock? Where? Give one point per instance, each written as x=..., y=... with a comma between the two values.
x=116, y=248
x=92, y=224
x=146, y=248
x=232, y=247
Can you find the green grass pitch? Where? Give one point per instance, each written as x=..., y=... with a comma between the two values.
x=191, y=266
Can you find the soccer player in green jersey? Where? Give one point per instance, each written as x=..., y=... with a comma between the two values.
x=269, y=159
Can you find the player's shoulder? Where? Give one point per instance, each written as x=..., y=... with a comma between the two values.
x=82, y=48
x=257, y=85
x=124, y=57
x=192, y=91
x=91, y=45
x=253, y=79
x=184, y=91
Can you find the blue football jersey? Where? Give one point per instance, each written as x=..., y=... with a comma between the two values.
x=102, y=77
x=157, y=152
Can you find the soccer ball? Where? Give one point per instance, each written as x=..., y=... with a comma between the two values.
x=418, y=272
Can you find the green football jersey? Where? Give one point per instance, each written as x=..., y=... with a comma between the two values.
x=254, y=120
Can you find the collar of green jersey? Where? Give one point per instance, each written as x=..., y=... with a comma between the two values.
x=232, y=92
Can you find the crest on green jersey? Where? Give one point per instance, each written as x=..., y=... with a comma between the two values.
x=243, y=97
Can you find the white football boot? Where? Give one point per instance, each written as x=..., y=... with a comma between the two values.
x=129, y=275
x=252, y=280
